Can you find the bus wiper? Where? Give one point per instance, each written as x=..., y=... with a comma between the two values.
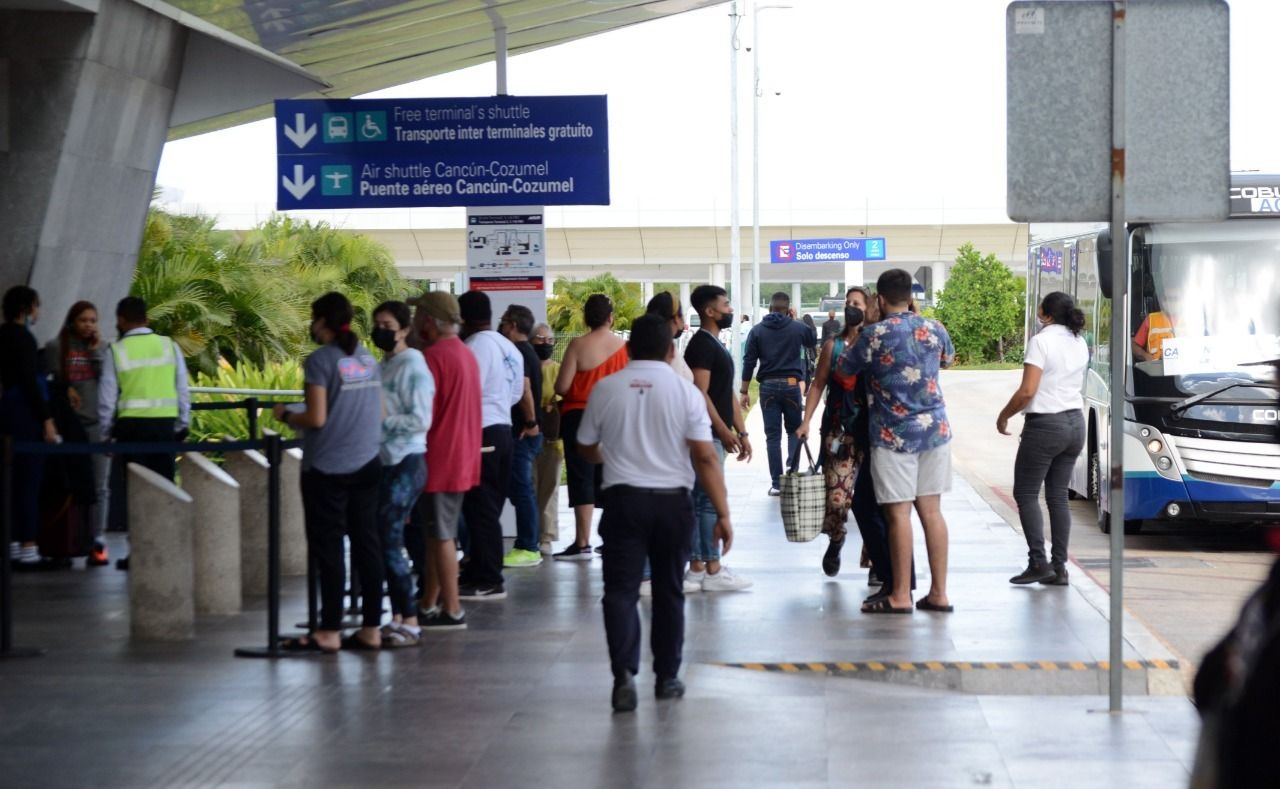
x=1194, y=400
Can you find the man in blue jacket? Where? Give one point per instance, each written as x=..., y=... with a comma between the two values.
x=777, y=344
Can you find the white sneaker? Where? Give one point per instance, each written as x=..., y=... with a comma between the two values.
x=646, y=588
x=546, y=549
x=725, y=581
x=693, y=581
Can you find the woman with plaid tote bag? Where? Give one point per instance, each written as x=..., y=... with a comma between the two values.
x=804, y=499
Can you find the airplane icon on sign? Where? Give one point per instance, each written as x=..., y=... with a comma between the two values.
x=337, y=177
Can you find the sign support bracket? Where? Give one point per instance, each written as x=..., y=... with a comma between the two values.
x=499, y=45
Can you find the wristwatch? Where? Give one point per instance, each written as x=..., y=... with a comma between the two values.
x=530, y=424
x=742, y=435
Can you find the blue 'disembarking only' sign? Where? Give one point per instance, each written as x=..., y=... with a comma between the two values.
x=826, y=250
x=387, y=153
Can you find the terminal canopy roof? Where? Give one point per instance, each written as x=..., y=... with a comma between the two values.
x=359, y=46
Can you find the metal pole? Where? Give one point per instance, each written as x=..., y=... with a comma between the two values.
x=7, y=650
x=735, y=225
x=6, y=577
x=251, y=408
x=274, y=457
x=499, y=44
x=755, y=159
x=1119, y=355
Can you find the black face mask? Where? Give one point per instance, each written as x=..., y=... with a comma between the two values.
x=315, y=338
x=677, y=333
x=725, y=321
x=383, y=338
x=853, y=316
x=543, y=349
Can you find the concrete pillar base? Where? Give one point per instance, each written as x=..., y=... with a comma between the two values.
x=161, y=575
x=250, y=469
x=293, y=525
x=217, y=535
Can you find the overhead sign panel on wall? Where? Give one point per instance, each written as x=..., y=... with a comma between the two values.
x=398, y=153
x=826, y=250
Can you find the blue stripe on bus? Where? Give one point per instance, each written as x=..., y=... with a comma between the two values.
x=1146, y=493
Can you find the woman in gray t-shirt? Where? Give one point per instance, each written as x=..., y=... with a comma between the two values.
x=342, y=429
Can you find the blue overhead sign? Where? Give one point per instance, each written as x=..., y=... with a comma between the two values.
x=386, y=153
x=826, y=250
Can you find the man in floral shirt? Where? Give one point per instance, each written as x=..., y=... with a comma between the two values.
x=910, y=435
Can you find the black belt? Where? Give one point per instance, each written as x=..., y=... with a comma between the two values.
x=630, y=490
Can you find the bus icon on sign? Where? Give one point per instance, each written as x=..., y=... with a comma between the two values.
x=786, y=251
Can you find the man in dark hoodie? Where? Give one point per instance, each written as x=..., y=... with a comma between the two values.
x=777, y=344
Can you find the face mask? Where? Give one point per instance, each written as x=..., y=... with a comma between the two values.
x=676, y=335
x=853, y=316
x=315, y=338
x=725, y=321
x=383, y=338
x=543, y=350
x=28, y=321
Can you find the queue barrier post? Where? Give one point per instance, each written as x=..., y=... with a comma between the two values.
x=7, y=649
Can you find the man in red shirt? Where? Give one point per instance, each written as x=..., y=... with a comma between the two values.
x=453, y=453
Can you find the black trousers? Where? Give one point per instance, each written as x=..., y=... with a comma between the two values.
x=338, y=505
x=638, y=526
x=482, y=510
x=873, y=527
x=130, y=429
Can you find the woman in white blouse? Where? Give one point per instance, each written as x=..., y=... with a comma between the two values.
x=1052, y=393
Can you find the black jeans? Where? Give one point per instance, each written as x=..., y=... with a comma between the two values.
x=583, y=477
x=130, y=429
x=482, y=509
x=337, y=505
x=637, y=526
x=1047, y=453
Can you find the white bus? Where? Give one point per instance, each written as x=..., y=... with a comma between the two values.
x=1202, y=432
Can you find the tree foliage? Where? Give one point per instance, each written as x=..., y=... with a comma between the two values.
x=983, y=307
x=246, y=300
x=564, y=308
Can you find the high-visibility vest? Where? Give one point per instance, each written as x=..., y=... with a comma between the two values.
x=147, y=371
x=1159, y=328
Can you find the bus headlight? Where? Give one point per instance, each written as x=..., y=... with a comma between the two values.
x=1154, y=446
x=1164, y=463
x=1145, y=432
x=1173, y=510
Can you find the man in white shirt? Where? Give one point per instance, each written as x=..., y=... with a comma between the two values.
x=645, y=425
x=501, y=387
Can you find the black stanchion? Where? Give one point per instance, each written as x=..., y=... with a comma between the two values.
x=251, y=408
x=7, y=649
x=274, y=451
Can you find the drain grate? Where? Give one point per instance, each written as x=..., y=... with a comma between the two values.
x=1141, y=563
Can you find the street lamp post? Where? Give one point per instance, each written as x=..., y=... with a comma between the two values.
x=756, y=8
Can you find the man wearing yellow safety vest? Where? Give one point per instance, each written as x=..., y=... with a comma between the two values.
x=143, y=396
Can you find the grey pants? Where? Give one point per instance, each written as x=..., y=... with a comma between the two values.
x=1046, y=455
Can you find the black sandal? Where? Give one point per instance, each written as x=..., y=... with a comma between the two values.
x=925, y=605
x=357, y=644
x=304, y=644
x=884, y=607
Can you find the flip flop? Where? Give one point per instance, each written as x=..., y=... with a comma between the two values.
x=925, y=605
x=304, y=644
x=884, y=607
x=354, y=643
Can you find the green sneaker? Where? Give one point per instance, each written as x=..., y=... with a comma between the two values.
x=521, y=558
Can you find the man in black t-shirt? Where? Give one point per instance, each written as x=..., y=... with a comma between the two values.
x=712, y=368
x=517, y=325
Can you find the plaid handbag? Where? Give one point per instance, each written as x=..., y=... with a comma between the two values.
x=804, y=500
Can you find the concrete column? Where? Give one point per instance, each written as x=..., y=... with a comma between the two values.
x=217, y=534
x=293, y=526
x=939, y=279
x=90, y=102
x=796, y=293
x=250, y=469
x=646, y=290
x=717, y=275
x=834, y=289
x=685, y=289
x=161, y=575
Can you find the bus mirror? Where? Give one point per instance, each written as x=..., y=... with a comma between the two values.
x=1104, y=263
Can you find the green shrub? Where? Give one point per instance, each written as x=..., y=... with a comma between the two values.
x=220, y=425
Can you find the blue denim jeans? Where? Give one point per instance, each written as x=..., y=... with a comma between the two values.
x=704, y=519
x=398, y=491
x=781, y=403
x=521, y=492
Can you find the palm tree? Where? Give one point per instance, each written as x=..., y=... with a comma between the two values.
x=564, y=308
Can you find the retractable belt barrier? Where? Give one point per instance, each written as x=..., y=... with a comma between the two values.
x=272, y=446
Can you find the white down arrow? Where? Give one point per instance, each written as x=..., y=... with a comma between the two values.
x=299, y=186
x=300, y=133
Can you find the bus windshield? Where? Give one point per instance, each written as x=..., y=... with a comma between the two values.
x=1207, y=304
